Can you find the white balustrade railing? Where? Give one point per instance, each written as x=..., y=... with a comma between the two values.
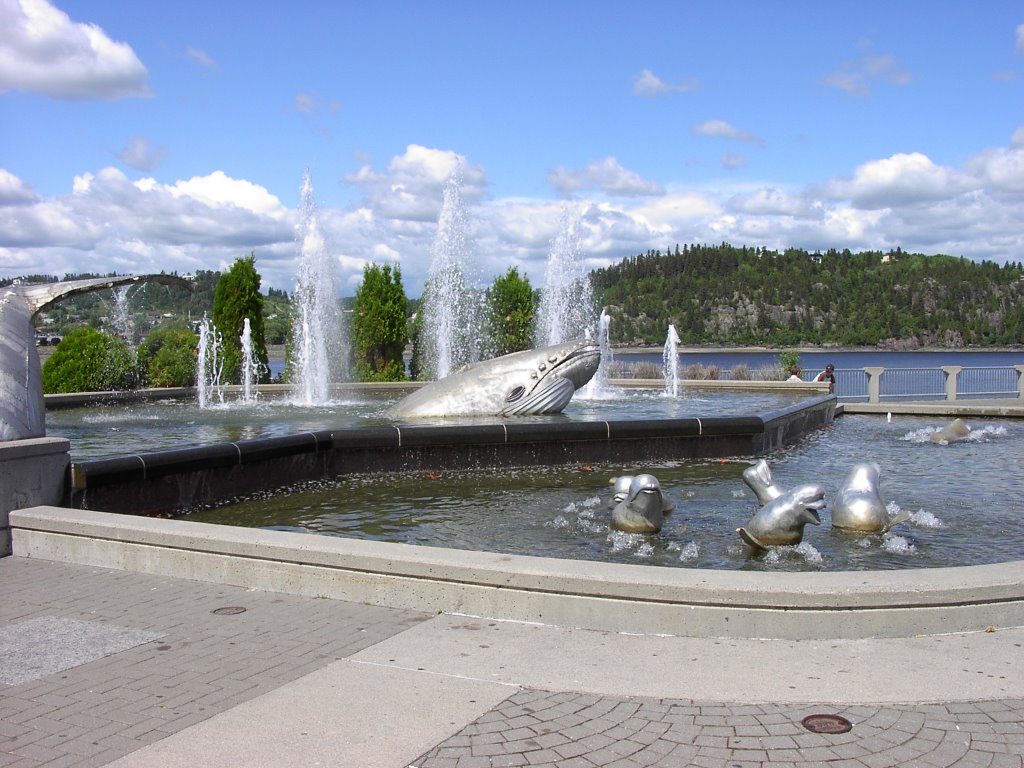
x=950, y=382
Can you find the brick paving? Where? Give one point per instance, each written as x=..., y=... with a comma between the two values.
x=572, y=730
x=203, y=664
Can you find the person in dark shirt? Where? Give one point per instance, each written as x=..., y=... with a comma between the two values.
x=829, y=375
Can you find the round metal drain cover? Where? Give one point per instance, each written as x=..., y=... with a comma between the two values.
x=230, y=610
x=826, y=724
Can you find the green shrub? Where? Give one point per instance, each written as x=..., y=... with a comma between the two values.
x=167, y=358
x=89, y=361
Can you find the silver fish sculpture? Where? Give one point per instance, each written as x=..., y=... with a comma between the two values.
x=642, y=510
x=782, y=520
x=758, y=478
x=859, y=506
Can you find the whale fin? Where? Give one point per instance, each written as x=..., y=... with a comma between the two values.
x=749, y=539
x=900, y=517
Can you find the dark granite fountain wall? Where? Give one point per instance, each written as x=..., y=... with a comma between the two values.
x=167, y=482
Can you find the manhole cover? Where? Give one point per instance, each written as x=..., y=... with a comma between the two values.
x=826, y=724
x=229, y=610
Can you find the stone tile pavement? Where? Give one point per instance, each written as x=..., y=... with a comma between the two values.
x=209, y=685
x=572, y=730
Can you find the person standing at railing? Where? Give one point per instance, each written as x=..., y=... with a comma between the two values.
x=794, y=374
x=829, y=375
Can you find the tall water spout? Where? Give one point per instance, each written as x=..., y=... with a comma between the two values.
x=121, y=316
x=251, y=365
x=451, y=303
x=209, y=366
x=566, y=310
x=670, y=362
x=598, y=388
x=317, y=334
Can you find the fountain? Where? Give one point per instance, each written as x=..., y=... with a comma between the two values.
x=670, y=362
x=451, y=303
x=317, y=333
x=252, y=368
x=566, y=309
x=121, y=316
x=209, y=365
x=598, y=387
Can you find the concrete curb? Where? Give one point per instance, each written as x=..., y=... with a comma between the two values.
x=604, y=596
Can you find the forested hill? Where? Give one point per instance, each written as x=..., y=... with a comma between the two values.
x=728, y=295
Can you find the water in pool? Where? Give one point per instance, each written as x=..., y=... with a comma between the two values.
x=965, y=501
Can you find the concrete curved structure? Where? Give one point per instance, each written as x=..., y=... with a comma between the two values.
x=22, y=410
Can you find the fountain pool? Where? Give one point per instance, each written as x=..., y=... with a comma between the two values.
x=99, y=431
x=964, y=500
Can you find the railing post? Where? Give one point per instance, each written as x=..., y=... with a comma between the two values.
x=952, y=372
x=1020, y=380
x=874, y=383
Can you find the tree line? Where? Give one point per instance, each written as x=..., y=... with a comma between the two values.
x=722, y=294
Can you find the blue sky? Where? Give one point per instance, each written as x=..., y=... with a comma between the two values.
x=151, y=136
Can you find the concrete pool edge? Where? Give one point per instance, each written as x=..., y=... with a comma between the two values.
x=604, y=596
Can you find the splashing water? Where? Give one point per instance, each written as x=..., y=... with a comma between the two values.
x=252, y=368
x=598, y=388
x=451, y=304
x=566, y=309
x=121, y=315
x=924, y=519
x=670, y=362
x=210, y=365
x=317, y=333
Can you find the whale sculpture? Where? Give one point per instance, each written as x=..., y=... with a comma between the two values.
x=955, y=430
x=782, y=520
x=759, y=479
x=858, y=505
x=643, y=508
x=22, y=407
x=620, y=491
x=531, y=382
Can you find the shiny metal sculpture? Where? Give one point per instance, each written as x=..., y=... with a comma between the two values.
x=643, y=508
x=782, y=520
x=859, y=506
x=535, y=381
x=952, y=432
x=22, y=408
x=620, y=490
x=758, y=478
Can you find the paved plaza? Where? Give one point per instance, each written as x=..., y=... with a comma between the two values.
x=105, y=667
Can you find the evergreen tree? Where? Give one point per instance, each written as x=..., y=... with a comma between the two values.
x=510, y=309
x=236, y=298
x=379, y=331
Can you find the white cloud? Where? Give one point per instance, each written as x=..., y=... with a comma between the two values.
x=720, y=129
x=606, y=175
x=138, y=154
x=856, y=78
x=412, y=188
x=1018, y=138
x=13, y=191
x=202, y=58
x=207, y=222
x=43, y=51
x=902, y=179
x=732, y=161
x=649, y=84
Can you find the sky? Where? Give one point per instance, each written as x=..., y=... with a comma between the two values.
x=149, y=136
